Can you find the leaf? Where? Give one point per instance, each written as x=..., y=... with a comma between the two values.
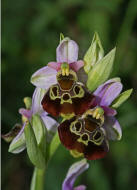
x=121, y=98
x=40, y=132
x=54, y=144
x=34, y=152
x=101, y=71
x=94, y=53
x=38, y=127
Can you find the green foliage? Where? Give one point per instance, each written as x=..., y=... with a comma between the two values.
x=121, y=98
x=101, y=71
x=54, y=144
x=35, y=154
x=94, y=53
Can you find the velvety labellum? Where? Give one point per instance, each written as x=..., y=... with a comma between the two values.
x=68, y=97
x=84, y=134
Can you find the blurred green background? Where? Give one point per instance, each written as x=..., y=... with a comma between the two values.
x=30, y=35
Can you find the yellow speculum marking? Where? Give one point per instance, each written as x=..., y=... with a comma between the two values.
x=51, y=93
x=76, y=154
x=84, y=141
x=68, y=100
x=67, y=116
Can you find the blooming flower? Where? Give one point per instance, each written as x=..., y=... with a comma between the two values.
x=74, y=171
x=66, y=52
x=18, y=143
x=68, y=97
x=106, y=94
x=89, y=133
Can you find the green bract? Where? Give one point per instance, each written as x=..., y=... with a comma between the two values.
x=94, y=53
x=121, y=98
x=39, y=128
x=40, y=132
x=34, y=152
x=54, y=144
x=101, y=71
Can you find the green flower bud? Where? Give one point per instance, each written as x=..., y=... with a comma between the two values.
x=94, y=53
x=28, y=102
x=101, y=71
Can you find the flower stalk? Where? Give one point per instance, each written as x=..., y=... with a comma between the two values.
x=38, y=179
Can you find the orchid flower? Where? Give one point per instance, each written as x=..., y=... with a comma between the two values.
x=105, y=95
x=79, y=92
x=89, y=133
x=74, y=171
x=18, y=143
x=66, y=52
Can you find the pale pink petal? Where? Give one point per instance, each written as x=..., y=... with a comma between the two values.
x=75, y=170
x=109, y=111
x=100, y=89
x=44, y=77
x=111, y=93
x=25, y=112
x=108, y=92
x=67, y=51
x=76, y=65
x=55, y=65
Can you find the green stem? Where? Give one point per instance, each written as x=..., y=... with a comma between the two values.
x=38, y=178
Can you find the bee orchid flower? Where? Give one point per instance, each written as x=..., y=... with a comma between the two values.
x=88, y=135
x=31, y=114
x=66, y=52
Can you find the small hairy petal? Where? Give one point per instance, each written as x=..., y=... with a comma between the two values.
x=25, y=112
x=55, y=65
x=67, y=51
x=109, y=111
x=76, y=65
x=74, y=171
x=113, y=128
x=44, y=77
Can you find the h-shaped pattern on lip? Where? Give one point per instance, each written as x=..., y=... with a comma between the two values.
x=68, y=97
x=85, y=134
